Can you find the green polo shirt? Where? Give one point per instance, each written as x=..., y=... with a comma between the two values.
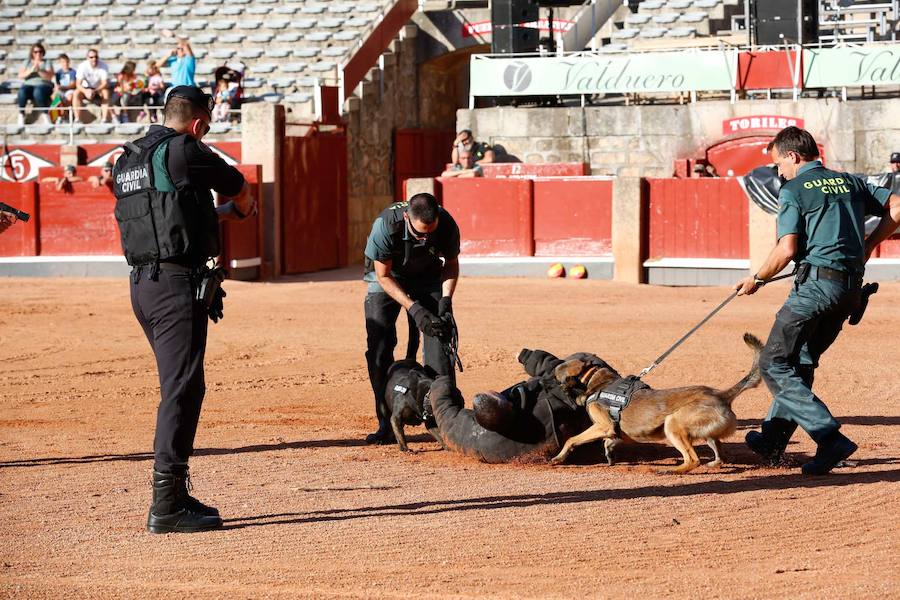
x=827, y=210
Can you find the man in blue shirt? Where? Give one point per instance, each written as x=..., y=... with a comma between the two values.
x=182, y=63
x=821, y=227
x=412, y=263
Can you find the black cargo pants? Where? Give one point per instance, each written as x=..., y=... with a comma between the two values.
x=175, y=325
x=381, y=338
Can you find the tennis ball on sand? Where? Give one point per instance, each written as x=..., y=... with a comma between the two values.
x=556, y=270
x=578, y=272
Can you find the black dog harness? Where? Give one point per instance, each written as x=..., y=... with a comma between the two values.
x=616, y=396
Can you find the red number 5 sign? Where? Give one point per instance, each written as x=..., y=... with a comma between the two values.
x=19, y=165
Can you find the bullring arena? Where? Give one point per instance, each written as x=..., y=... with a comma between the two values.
x=629, y=139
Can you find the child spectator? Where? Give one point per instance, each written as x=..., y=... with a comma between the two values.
x=37, y=87
x=129, y=92
x=154, y=95
x=225, y=97
x=65, y=87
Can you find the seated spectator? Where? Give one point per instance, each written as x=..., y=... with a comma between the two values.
x=104, y=178
x=65, y=87
x=129, y=92
x=64, y=183
x=225, y=96
x=92, y=85
x=481, y=152
x=154, y=94
x=894, y=182
x=37, y=86
x=466, y=167
x=181, y=60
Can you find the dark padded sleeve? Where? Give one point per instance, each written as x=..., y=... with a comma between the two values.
x=538, y=363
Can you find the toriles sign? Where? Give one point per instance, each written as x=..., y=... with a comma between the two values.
x=757, y=123
x=851, y=66
x=601, y=74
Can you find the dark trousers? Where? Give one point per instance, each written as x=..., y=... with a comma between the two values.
x=39, y=95
x=805, y=327
x=381, y=338
x=175, y=326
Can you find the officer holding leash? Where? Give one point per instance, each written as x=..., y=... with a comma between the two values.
x=170, y=229
x=411, y=262
x=821, y=227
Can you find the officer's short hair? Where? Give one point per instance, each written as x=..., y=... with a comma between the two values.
x=423, y=207
x=794, y=139
x=181, y=110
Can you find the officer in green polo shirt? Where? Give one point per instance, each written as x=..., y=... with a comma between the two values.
x=412, y=263
x=821, y=228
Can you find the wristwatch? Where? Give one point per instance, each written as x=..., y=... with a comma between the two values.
x=757, y=281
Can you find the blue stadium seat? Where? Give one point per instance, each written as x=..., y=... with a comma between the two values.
x=285, y=10
x=303, y=24
x=288, y=38
x=323, y=66
x=636, y=19
x=83, y=26
x=682, y=32
x=137, y=54
x=114, y=67
x=38, y=129
x=694, y=17
x=250, y=52
x=99, y=2
x=367, y=8
x=313, y=9
x=203, y=11
x=17, y=2
x=112, y=25
x=219, y=127
x=308, y=52
x=83, y=41
x=139, y=25
x=56, y=26
x=345, y=36
x=251, y=24
x=625, y=34
x=260, y=38
x=114, y=40
x=92, y=12
x=357, y=22
x=10, y=13
x=293, y=67
x=200, y=53
x=59, y=40
x=298, y=98
x=614, y=48
x=199, y=25
x=204, y=38
x=331, y=23
x=28, y=26
x=149, y=39
x=168, y=24
x=211, y=1
x=98, y=128
x=156, y=2
x=651, y=5
x=73, y=2
x=169, y=11
x=282, y=82
x=232, y=38
x=230, y=11
x=707, y=3
x=129, y=2
x=44, y=2
x=183, y=2
x=339, y=8
x=653, y=32
x=206, y=68
x=678, y=4
x=317, y=36
x=263, y=67
x=13, y=128
x=259, y=10
x=334, y=51
x=37, y=13
x=65, y=12
x=29, y=40
x=120, y=11
x=64, y=128
x=272, y=98
x=251, y=83
x=665, y=18
x=5, y=26
x=221, y=53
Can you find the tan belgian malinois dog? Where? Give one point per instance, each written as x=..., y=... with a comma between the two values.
x=679, y=415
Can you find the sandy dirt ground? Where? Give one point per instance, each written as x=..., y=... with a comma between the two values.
x=311, y=512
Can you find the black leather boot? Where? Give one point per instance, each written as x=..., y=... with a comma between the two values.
x=171, y=512
x=771, y=442
x=832, y=449
x=183, y=481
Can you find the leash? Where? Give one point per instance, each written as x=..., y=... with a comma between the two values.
x=451, y=345
x=733, y=295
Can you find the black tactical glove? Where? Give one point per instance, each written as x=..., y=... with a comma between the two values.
x=427, y=323
x=215, y=309
x=445, y=306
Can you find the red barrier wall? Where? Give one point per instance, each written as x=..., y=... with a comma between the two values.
x=419, y=153
x=572, y=217
x=77, y=222
x=697, y=218
x=768, y=70
x=22, y=238
x=572, y=169
x=494, y=215
x=314, y=204
x=243, y=239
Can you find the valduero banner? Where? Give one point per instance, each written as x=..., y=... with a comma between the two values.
x=681, y=71
x=851, y=66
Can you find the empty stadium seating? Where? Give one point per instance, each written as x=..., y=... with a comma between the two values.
x=674, y=23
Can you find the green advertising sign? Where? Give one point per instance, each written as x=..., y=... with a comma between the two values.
x=851, y=66
x=603, y=74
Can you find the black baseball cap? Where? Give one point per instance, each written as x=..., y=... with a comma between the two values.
x=195, y=96
x=895, y=157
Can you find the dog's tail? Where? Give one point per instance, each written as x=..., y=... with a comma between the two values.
x=751, y=379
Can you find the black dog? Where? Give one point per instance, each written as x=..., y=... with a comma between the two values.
x=408, y=383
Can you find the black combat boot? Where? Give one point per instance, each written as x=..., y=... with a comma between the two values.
x=183, y=481
x=832, y=449
x=171, y=512
x=771, y=442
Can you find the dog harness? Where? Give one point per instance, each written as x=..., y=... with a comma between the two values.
x=616, y=396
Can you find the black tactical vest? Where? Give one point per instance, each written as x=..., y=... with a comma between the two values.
x=162, y=226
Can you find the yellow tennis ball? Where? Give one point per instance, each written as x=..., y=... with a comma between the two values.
x=578, y=272
x=556, y=270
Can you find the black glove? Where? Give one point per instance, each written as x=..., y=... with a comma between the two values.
x=427, y=323
x=445, y=306
x=215, y=309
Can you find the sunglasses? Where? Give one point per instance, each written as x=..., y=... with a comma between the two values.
x=93, y=56
x=419, y=235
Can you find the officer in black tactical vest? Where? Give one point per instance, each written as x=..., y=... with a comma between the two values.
x=411, y=262
x=170, y=229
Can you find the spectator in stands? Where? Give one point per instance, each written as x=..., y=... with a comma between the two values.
x=481, y=152
x=92, y=85
x=181, y=61
x=65, y=86
x=7, y=220
x=104, y=178
x=154, y=94
x=466, y=167
x=223, y=97
x=129, y=92
x=37, y=86
x=64, y=183
x=894, y=182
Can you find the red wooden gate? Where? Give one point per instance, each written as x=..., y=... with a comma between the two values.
x=419, y=153
x=314, y=202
